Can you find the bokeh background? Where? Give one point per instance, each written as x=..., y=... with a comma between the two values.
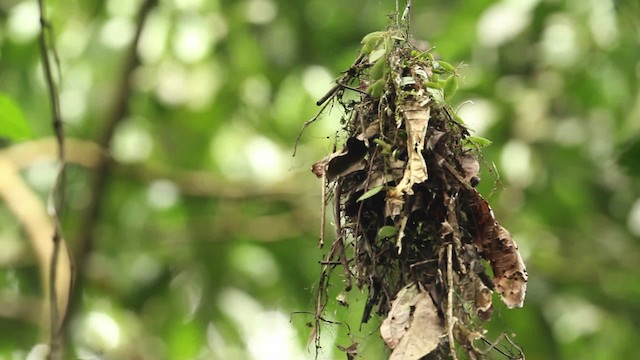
x=205, y=246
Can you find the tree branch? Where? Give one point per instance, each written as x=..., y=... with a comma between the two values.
x=104, y=165
x=57, y=195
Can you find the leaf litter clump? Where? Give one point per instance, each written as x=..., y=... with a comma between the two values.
x=410, y=227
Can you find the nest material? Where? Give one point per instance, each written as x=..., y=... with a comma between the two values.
x=410, y=226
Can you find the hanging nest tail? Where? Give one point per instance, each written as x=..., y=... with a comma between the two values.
x=410, y=226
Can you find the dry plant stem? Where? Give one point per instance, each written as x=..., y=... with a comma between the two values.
x=340, y=239
x=307, y=123
x=104, y=166
x=323, y=210
x=325, y=100
x=57, y=196
x=494, y=346
x=88, y=155
x=521, y=353
x=450, y=320
x=337, y=249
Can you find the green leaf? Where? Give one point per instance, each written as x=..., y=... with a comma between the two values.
x=387, y=231
x=447, y=67
x=376, y=55
x=434, y=85
x=436, y=93
x=378, y=69
x=477, y=142
x=450, y=87
x=376, y=88
x=386, y=148
x=12, y=123
x=370, y=193
x=376, y=35
x=371, y=41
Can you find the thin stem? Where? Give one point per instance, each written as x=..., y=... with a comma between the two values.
x=57, y=195
x=104, y=166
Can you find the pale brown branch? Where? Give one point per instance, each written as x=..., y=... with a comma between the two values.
x=190, y=182
x=22, y=308
x=30, y=212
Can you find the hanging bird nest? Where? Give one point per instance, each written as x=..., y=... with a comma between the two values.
x=410, y=227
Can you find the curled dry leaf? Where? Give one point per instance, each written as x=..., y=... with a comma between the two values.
x=344, y=162
x=509, y=273
x=483, y=302
x=395, y=326
x=412, y=328
x=416, y=119
x=495, y=244
x=470, y=166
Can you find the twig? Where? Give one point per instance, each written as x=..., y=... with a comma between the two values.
x=335, y=88
x=323, y=210
x=57, y=195
x=307, y=123
x=494, y=346
x=340, y=236
x=340, y=83
x=328, y=95
x=103, y=168
x=450, y=320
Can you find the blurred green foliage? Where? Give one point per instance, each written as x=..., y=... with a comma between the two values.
x=206, y=243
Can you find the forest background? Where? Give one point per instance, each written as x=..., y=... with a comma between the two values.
x=204, y=245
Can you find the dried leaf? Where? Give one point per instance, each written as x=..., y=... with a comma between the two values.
x=343, y=162
x=416, y=119
x=470, y=166
x=510, y=275
x=495, y=244
x=372, y=130
x=483, y=301
x=351, y=351
x=398, y=321
x=394, y=203
x=412, y=328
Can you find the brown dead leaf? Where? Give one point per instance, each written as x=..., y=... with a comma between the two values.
x=470, y=166
x=395, y=326
x=394, y=203
x=510, y=275
x=372, y=130
x=483, y=302
x=424, y=334
x=495, y=244
x=416, y=119
x=412, y=328
x=343, y=162
x=351, y=351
